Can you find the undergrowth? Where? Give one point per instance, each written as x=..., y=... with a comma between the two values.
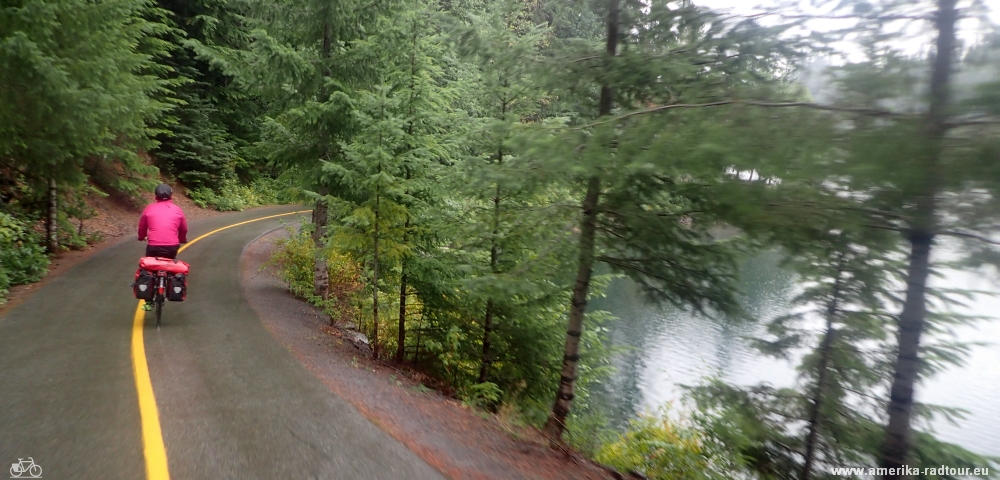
x=295, y=258
x=22, y=258
x=659, y=447
x=232, y=195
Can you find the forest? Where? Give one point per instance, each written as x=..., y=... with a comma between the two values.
x=479, y=170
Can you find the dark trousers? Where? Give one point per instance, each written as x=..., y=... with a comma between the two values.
x=165, y=251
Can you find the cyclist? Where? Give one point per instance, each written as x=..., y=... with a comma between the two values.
x=164, y=224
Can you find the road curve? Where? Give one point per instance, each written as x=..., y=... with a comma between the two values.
x=232, y=402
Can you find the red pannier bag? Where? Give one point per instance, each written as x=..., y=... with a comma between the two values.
x=172, y=266
x=177, y=272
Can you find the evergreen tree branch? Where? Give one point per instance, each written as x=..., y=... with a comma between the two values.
x=879, y=17
x=974, y=122
x=870, y=211
x=952, y=233
x=873, y=112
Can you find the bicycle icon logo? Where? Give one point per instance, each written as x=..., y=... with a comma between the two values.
x=25, y=469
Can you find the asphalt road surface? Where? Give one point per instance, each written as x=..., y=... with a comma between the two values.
x=233, y=403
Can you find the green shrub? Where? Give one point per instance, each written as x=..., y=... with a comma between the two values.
x=482, y=395
x=295, y=259
x=666, y=449
x=4, y=285
x=234, y=196
x=72, y=236
x=22, y=258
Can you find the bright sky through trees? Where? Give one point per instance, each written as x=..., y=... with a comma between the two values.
x=743, y=6
x=969, y=30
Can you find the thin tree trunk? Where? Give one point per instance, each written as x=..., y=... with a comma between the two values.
x=375, y=283
x=401, y=336
x=321, y=274
x=896, y=447
x=484, y=367
x=326, y=48
x=494, y=259
x=52, y=222
x=824, y=362
x=556, y=424
x=401, y=331
x=420, y=337
x=898, y=442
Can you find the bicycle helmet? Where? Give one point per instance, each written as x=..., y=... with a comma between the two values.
x=163, y=192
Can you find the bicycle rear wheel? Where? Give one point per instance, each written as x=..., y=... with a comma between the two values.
x=159, y=309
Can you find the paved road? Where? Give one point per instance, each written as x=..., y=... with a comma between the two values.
x=232, y=402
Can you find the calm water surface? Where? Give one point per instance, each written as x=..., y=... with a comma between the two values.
x=673, y=348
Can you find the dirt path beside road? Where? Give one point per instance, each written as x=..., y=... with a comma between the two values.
x=456, y=440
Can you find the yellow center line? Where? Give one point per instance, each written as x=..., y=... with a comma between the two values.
x=152, y=437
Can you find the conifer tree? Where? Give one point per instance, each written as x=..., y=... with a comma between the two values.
x=505, y=46
x=656, y=160
x=207, y=137
x=921, y=126
x=303, y=64
x=77, y=86
x=371, y=219
x=895, y=134
x=416, y=52
x=848, y=270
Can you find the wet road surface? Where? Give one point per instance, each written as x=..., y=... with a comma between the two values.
x=232, y=402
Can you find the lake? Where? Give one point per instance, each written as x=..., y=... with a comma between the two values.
x=672, y=347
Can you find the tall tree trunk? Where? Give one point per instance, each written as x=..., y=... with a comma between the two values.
x=896, y=447
x=484, y=366
x=401, y=334
x=378, y=199
x=816, y=402
x=556, y=424
x=401, y=331
x=52, y=220
x=326, y=48
x=321, y=274
x=898, y=442
x=375, y=284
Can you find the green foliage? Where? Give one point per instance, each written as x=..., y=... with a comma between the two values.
x=294, y=257
x=235, y=196
x=22, y=258
x=453, y=142
x=197, y=151
x=206, y=137
x=587, y=432
x=750, y=423
x=663, y=448
x=482, y=395
x=929, y=452
x=77, y=81
x=73, y=212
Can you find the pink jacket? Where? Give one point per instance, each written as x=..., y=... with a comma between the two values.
x=165, y=224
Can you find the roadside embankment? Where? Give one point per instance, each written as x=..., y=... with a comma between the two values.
x=458, y=441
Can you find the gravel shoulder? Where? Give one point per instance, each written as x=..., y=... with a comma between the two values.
x=456, y=440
